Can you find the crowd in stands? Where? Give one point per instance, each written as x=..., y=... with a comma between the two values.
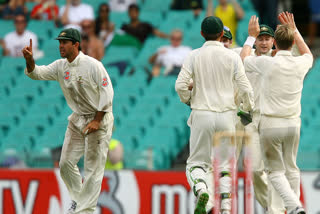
x=97, y=27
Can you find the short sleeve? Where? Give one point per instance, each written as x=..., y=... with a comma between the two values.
x=102, y=79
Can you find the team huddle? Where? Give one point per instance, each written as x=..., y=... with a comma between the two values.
x=265, y=86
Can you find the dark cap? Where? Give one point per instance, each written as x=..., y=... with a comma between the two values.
x=227, y=33
x=69, y=34
x=211, y=25
x=266, y=30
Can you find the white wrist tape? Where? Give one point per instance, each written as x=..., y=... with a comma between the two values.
x=250, y=41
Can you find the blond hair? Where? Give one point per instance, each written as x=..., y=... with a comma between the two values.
x=284, y=37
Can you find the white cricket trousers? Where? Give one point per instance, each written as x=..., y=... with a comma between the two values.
x=94, y=147
x=279, y=139
x=264, y=192
x=203, y=125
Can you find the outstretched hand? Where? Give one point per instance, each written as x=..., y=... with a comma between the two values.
x=287, y=18
x=27, y=51
x=254, y=27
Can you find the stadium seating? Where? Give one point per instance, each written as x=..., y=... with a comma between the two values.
x=150, y=120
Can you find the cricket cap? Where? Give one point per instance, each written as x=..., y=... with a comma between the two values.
x=211, y=25
x=266, y=30
x=70, y=34
x=227, y=33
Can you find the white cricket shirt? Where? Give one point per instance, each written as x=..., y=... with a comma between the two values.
x=281, y=83
x=254, y=78
x=214, y=69
x=85, y=83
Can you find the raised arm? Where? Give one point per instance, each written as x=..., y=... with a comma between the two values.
x=49, y=72
x=28, y=55
x=238, y=9
x=288, y=18
x=209, y=8
x=65, y=16
x=253, y=30
x=160, y=34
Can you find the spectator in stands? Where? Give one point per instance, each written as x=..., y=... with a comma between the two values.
x=195, y=5
x=3, y=4
x=45, y=10
x=120, y=6
x=95, y=45
x=138, y=29
x=74, y=12
x=229, y=13
x=84, y=43
x=314, y=6
x=104, y=27
x=18, y=39
x=115, y=155
x=170, y=56
x=13, y=162
x=13, y=8
x=267, y=12
x=227, y=37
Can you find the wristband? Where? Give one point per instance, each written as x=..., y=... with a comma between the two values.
x=250, y=41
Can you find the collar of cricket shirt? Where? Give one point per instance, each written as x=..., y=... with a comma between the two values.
x=75, y=62
x=215, y=43
x=284, y=53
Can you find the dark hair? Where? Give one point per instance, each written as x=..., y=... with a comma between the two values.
x=98, y=21
x=134, y=6
x=74, y=42
x=104, y=5
x=21, y=14
x=211, y=37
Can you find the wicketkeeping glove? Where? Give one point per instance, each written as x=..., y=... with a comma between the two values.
x=246, y=117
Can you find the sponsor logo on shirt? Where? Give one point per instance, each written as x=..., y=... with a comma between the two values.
x=104, y=82
x=66, y=75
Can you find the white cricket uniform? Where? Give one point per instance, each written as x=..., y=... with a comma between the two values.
x=213, y=70
x=87, y=89
x=280, y=108
x=260, y=180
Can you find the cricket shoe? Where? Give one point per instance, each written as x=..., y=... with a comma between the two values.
x=73, y=207
x=225, y=212
x=298, y=210
x=202, y=200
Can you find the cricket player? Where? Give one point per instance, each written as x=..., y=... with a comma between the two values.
x=281, y=85
x=263, y=45
x=265, y=194
x=88, y=91
x=227, y=37
x=213, y=70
